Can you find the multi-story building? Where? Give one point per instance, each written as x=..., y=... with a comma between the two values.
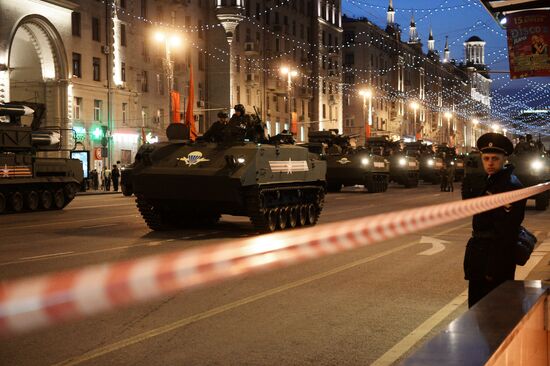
x=98, y=68
x=393, y=88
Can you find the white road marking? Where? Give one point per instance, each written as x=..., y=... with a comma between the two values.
x=45, y=256
x=438, y=245
x=98, y=206
x=97, y=226
x=67, y=222
x=403, y=346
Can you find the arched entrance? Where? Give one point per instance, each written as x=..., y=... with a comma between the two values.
x=38, y=69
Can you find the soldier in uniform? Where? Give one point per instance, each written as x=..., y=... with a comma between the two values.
x=215, y=132
x=489, y=259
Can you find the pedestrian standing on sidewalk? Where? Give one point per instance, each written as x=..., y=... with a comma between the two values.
x=106, y=179
x=95, y=180
x=115, y=175
x=490, y=253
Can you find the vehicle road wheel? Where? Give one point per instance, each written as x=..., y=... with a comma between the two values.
x=541, y=202
x=282, y=219
x=271, y=216
x=46, y=199
x=2, y=203
x=293, y=216
x=302, y=215
x=70, y=191
x=311, y=214
x=384, y=183
x=59, y=199
x=33, y=200
x=17, y=201
x=126, y=190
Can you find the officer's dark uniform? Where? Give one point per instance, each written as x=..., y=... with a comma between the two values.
x=489, y=259
x=216, y=132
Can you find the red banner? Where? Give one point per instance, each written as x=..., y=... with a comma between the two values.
x=529, y=43
x=176, y=117
x=294, y=124
x=189, y=116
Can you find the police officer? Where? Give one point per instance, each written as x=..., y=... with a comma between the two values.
x=215, y=132
x=489, y=259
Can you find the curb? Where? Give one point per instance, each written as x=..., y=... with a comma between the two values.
x=96, y=193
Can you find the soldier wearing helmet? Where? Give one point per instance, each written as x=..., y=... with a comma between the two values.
x=216, y=132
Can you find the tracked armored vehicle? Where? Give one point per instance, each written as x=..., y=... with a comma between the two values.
x=29, y=182
x=531, y=168
x=430, y=164
x=475, y=178
x=180, y=183
x=347, y=165
x=404, y=169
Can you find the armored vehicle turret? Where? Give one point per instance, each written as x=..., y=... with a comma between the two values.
x=29, y=182
x=180, y=183
x=348, y=165
x=430, y=164
x=404, y=169
x=532, y=166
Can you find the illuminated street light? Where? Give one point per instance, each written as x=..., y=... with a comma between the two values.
x=172, y=41
x=495, y=127
x=367, y=94
x=415, y=106
x=290, y=73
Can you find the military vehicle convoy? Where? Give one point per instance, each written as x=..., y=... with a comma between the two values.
x=29, y=182
x=450, y=157
x=180, y=183
x=430, y=164
x=475, y=178
x=531, y=168
x=404, y=169
x=348, y=165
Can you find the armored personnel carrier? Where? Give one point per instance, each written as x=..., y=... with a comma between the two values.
x=475, y=178
x=533, y=167
x=348, y=165
x=430, y=164
x=29, y=182
x=404, y=169
x=450, y=157
x=180, y=183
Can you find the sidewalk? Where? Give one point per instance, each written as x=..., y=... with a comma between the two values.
x=99, y=192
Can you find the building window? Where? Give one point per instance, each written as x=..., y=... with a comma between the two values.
x=124, y=113
x=77, y=108
x=144, y=81
x=123, y=4
x=123, y=35
x=97, y=69
x=144, y=8
x=95, y=30
x=77, y=62
x=76, y=23
x=123, y=71
x=201, y=60
x=98, y=104
x=324, y=111
x=160, y=84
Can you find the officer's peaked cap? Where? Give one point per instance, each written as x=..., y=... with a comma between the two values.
x=495, y=143
x=222, y=115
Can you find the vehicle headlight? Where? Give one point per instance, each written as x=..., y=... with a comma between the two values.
x=537, y=165
x=452, y=163
x=430, y=162
x=365, y=161
x=241, y=160
x=402, y=161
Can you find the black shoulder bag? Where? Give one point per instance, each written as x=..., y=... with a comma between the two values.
x=524, y=246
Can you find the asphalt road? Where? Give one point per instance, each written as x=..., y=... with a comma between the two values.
x=360, y=307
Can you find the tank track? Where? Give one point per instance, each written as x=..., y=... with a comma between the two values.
x=279, y=208
x=36, y=198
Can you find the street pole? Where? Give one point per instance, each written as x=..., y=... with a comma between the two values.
x=289, y=91
x=414, y=127
x=365, y=116
x=370, y=109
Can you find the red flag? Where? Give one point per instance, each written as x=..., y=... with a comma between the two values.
x=143, y=136
x=189, y=117
x=294, y=124
x=367, y=130
x=175, y=106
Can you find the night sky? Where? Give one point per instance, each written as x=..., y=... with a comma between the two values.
x=460, y=19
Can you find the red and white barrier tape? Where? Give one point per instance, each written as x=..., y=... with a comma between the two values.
x=39, y=301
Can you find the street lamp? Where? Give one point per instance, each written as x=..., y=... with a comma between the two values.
x=448, y=115
x=475, y=122
x=415, y=106
x=367, y=94
x=495, y=127
x=169, y=42
x=290, y=73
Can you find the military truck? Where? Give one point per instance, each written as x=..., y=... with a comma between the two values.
x=180, y=183
x=533, y=167
x=404, y=169
x=430, y=165
x=348, y=165
x=475, y=178
x=450, y=157
x=29, y=182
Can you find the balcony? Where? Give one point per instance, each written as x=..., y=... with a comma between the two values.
x=251, y=49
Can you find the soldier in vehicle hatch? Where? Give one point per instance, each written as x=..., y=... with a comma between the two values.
x=215, y=132
x=489, y=259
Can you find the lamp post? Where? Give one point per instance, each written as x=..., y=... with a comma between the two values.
x=448, y=115
x=415, y=106
x=290, y=73
x=367, y=94
x=168, y=64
